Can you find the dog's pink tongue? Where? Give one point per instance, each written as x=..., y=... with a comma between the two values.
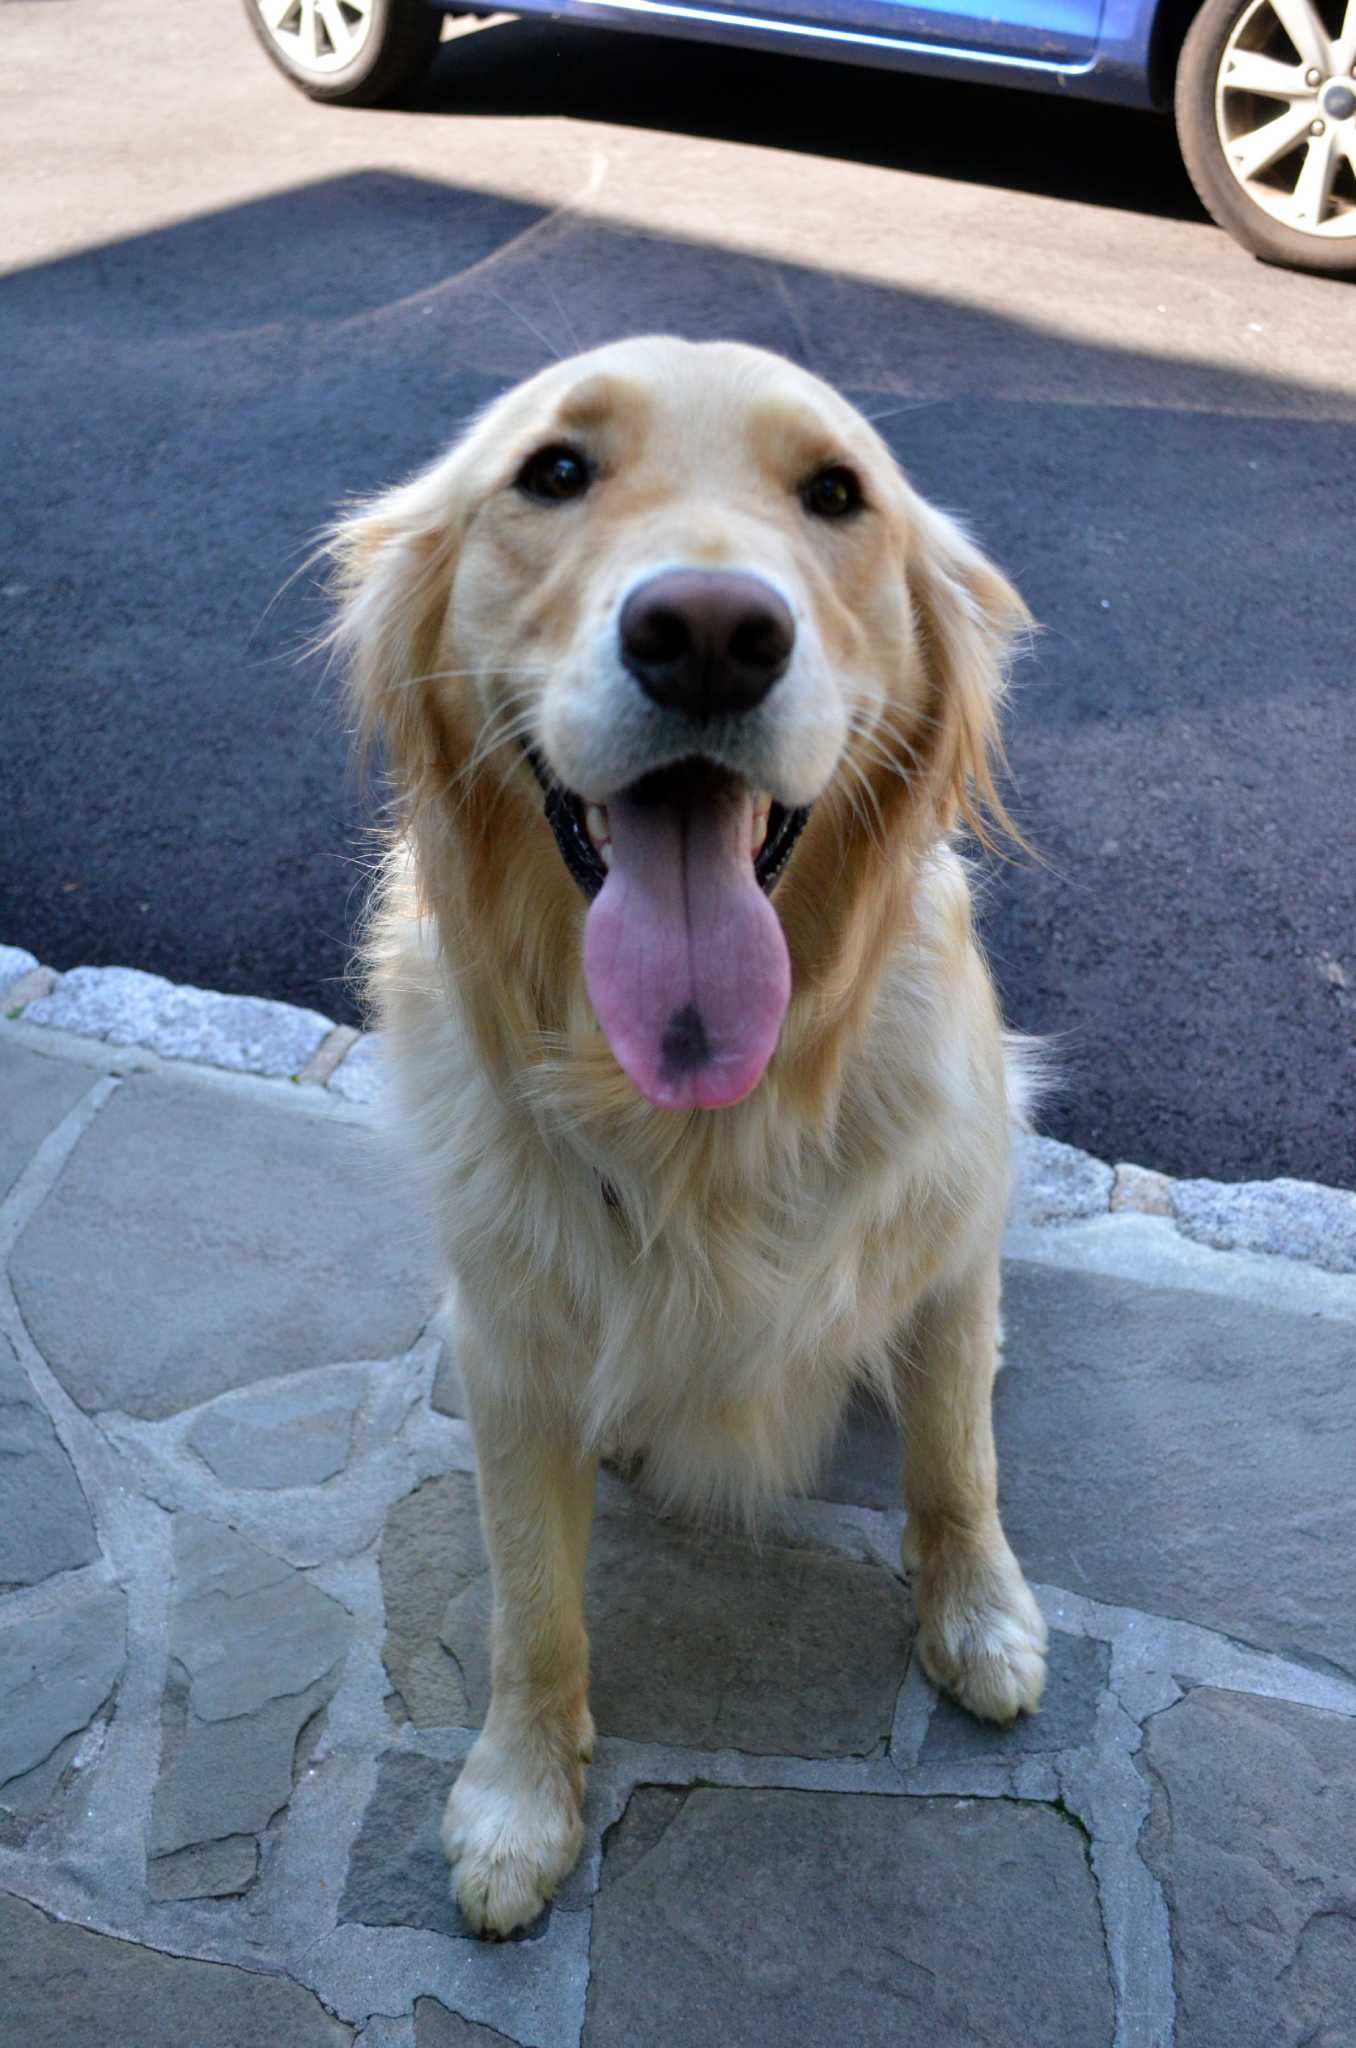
x=684, y=956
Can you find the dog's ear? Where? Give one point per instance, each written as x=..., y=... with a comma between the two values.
x=394, y=563
x=970, y=622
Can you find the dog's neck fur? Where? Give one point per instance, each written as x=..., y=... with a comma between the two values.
x=510, y=934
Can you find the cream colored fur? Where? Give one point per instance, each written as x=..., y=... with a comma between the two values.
x=841, y=1224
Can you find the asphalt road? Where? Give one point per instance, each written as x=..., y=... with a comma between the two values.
x=226, y=310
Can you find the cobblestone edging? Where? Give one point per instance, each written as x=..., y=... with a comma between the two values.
x=1292, y=1219
x=242, y=1034
x=1058, y=1184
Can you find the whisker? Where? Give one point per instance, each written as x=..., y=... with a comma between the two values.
x=871, y=738
x=492, y=740
x=913, y=405
x=519, y=315
x=531, y=671
x=875, y=832
x=880, y=754
x=565, y=320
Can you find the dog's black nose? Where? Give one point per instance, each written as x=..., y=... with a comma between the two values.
x=706, y=641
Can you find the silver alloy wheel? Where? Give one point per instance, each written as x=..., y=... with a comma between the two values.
x=320, y=36
x=1297, y=159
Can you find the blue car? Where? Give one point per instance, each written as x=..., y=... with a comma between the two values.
x=1263, y=91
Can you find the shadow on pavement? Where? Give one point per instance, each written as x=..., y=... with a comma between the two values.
x=946, y=128
x=197, y=402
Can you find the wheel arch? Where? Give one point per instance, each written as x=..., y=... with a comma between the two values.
x=1171, y=24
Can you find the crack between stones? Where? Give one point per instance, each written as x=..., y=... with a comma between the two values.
x=1164, y=1889
x=1112, y=1624
x=1099, y=1890
x=48, y=1162
x=1117, y=1926
x=91, y=1490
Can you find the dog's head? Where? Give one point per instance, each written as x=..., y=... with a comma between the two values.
x=665, y=607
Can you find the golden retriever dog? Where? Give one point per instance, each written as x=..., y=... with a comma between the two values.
x=685, y=693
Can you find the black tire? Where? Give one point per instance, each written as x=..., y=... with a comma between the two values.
x=400, y=44
x=1223, y=194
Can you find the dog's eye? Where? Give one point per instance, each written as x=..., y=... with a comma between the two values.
x=554, y=474
x=833, y=493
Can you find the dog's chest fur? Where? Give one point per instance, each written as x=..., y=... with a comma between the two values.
x=706, y=1289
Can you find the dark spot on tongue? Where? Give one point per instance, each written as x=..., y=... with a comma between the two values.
x=684, y=1047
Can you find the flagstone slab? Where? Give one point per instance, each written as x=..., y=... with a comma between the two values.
x=255, y=1653
x=754, y=1918
x=56, y=1671
x=45, y=1522
x=697, y=1639
x=268, y=1438
x=436, y=2027
x=1252, y=1835
x=1183, y=1453
x=207, y=1870
x=198, y=1240
x=67, y=1987
x=35, y=1093
x=27, y=1800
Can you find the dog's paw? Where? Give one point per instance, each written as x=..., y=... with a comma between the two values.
x=512, y=1830
x=981, y=1636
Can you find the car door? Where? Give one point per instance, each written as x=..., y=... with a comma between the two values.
x=1058, y=31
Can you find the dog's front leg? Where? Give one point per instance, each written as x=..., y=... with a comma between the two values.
x=981, y=1635
x=513, y=1825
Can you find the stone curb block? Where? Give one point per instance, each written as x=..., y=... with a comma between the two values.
x=359, y=1077
x=1292, y=1217
x=14, y=965
x=1055, y=1183
x=247, y=1034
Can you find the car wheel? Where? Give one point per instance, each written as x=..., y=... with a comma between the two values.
x=1266, y=118
x=350, y=52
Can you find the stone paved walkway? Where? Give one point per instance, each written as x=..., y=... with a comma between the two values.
x=242, y=1630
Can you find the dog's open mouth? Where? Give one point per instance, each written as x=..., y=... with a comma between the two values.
x=684, y=956
x=583, y=831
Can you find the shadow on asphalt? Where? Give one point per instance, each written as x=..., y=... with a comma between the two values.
x=981, y=135
x=198, y=401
